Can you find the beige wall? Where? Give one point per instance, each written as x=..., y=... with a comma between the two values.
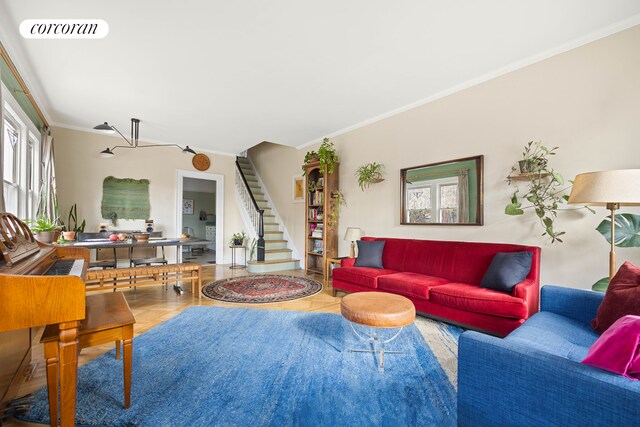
x=586, y=101
x=80, y=173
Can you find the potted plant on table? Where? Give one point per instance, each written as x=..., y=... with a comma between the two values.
x=238, y=239
x=43, y=228
x=72, y=227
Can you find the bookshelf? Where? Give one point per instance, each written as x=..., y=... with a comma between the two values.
x=321, y=222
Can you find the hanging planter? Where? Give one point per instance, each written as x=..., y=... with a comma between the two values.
x=371, y=173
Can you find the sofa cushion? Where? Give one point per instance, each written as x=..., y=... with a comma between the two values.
x=412, y=285
x=370, y=254
x=478, y=300
x=394, y=254
x=507, y=269
x=622, y=297
x=556, y=334
x=363, y=276
x=618, y=349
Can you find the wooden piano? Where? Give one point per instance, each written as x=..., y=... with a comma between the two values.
x=39, y=285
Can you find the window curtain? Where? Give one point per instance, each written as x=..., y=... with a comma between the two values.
x=2, y=209
x=463, y=196
x=48, y=202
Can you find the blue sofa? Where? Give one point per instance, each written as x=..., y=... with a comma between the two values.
x=533, y=377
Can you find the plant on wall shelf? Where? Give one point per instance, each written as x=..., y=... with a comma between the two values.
x=627, y=236
x=338, y=196
x=544, y=188
x=370, y=173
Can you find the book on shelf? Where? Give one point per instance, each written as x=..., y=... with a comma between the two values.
x=316, y=214
x=318, y=247
x=316, y=231
x=316, y=197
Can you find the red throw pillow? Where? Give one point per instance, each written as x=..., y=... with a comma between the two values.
x=622, y=298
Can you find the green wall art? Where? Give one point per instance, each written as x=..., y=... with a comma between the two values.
x=125, y=198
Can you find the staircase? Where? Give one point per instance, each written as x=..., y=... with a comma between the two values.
x=277, y=254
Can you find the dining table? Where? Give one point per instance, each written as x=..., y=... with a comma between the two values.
x=105, y=243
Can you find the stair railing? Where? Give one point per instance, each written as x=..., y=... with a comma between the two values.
x=256, y=214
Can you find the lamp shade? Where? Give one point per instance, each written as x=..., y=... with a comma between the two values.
x=352, y=234
x=107, y=153
x=104, y=127
x=600, y=188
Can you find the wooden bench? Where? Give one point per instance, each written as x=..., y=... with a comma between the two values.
x=99, y=280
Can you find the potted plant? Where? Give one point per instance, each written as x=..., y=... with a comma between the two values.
x=370, y=173
x=43, y=228
x=534, y=157
x=238, y=239
x=310, y=157
x=327, y=155
x=544, y=188
x=72, y=227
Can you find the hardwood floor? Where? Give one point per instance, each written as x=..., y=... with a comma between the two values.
x=153, y=305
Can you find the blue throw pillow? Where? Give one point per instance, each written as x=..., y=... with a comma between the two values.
x=370, y=254
x=507, y=270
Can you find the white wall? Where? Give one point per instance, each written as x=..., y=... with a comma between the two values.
x=80, y=172
x=586, y=101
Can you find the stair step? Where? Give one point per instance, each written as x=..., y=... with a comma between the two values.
x=274, y=262
x=272, y=266
x=277, y=254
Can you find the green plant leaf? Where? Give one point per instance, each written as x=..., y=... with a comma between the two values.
x=627, y=233
x=513, y=209
x=601, y=285
x=557, y=177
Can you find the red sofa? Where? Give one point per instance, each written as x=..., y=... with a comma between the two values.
x=443, y=281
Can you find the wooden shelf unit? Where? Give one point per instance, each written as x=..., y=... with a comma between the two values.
x=320, y=207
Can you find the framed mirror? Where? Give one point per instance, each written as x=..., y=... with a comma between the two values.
x=444, y=193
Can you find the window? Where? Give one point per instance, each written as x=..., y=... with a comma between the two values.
x=10, y=165
x=449, y=203
x=21, y=159
x=419, y=204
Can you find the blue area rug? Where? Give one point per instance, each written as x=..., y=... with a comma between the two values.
x=226, y=366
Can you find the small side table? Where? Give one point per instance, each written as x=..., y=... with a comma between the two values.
x=327, y=271
x=234, y=264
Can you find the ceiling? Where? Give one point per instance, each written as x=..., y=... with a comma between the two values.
x=226, y=75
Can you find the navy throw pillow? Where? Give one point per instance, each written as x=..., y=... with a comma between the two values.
x=507, y=270
x=370, y=254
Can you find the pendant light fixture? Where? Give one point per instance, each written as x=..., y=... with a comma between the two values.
x=133, y=142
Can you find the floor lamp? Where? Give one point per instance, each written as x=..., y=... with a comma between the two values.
x=611, y=189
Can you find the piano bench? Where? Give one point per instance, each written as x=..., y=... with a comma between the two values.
x=100, y=280
x=108, y=319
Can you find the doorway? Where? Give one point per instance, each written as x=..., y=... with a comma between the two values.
x=200, y=215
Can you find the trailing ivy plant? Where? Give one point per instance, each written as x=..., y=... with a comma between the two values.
x=627, y=235
x=544, y=191
x=338, y=196
x=327, y=154
x=310, y=156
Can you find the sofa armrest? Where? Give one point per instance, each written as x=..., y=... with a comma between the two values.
x=508, y=383
x=347, y=262
x=577, y=304
x=529, y=291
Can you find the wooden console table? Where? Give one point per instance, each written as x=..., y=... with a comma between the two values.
x=108, y=319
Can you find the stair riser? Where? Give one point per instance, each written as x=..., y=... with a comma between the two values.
x=269, y=268
x=271, y=228
x=277, y=255
x=263, y=205
x=275, y=245
x=276, y=236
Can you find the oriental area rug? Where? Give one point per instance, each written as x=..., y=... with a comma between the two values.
x=235, y=366
x=261, y=288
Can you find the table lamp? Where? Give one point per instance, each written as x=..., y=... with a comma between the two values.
x=352, y=234
x=611, y=189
